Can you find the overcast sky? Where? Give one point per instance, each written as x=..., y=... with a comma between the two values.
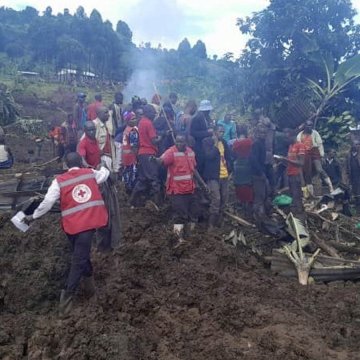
x=169, y=21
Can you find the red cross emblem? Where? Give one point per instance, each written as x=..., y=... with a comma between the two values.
x=81, y=193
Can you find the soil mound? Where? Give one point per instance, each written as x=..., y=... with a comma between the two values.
x=205, y=300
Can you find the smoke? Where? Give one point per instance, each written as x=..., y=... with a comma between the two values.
x=141, y=84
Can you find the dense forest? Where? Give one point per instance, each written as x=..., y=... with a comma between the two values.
x=301, y=59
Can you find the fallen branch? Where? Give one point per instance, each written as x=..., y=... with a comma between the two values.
x=345, y=248
x=332, y=223
x=322, y=245
x=239, y=219
x=48, y=162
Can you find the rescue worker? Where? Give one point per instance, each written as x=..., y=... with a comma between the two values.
x=82, y=212
x=180, y=185
x=313, y=157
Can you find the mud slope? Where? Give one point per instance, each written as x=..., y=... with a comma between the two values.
x=203, y=302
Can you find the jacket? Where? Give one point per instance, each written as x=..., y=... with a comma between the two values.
x=127, y=150
x=181, y=166
x=316, y=140
x=82, y=206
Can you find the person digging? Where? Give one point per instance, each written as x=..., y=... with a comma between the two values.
x=180, y=185
x=82, y=212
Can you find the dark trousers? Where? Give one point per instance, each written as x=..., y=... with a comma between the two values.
x=296, y=193
x=80, y=260
x=281, y=176
x=219, y=190
x=260, y=189
x=184, y=208
x=355, y=189
x=148, y=177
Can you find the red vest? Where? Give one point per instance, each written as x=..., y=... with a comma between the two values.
x=81, y=203
x=180, y=176
x=128, y=156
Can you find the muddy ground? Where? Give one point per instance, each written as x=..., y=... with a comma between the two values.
x=205, y=301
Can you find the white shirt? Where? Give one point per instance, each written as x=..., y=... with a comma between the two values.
x=4, y=155
x=53, y=193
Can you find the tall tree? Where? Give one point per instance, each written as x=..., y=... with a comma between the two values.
x=199, y=50
x=122, y=28
x=283, y=39
x=184, y=47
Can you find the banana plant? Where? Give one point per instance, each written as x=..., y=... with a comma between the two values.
x=9, y=110
x=295, y=253
x=336, y=82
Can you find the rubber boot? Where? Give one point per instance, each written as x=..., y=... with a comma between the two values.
x=178, y=231
x=65, y=305
x=213, y=221
x=89, y=286
x=329, y=184
x=188, y=229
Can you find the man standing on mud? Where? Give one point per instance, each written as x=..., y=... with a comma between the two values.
x=295, y=162
x=148, y=171
x=82, y=212
x=257, y=163
x=92, y=108
x=314, y=156
x=103, y=137
x=180, y=184
x=80, y=116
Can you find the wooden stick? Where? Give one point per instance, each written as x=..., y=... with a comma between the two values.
x=327, y=248
x=239, y=219
x=48, y=162
x=167, y=120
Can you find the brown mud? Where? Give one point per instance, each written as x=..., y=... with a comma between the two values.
x=206, y=300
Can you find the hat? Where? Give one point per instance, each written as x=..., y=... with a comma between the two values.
x=81, y=95
x=205, y=105
x=129, y=115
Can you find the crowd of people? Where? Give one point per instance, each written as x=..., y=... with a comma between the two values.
x=137, y=142
x=159, y=151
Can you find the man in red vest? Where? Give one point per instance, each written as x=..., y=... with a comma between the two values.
x=82, y=212
x=180, y=184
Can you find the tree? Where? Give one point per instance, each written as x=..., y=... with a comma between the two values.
x=48, y=11
x=95, y=16
x=80, y=12
x=184, y=47
x=122, y=28
x=284, y=36
x=199, y=50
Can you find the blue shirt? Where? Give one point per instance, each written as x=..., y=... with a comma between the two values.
x=229, y=128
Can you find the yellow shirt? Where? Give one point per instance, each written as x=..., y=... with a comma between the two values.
x=223, y=169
